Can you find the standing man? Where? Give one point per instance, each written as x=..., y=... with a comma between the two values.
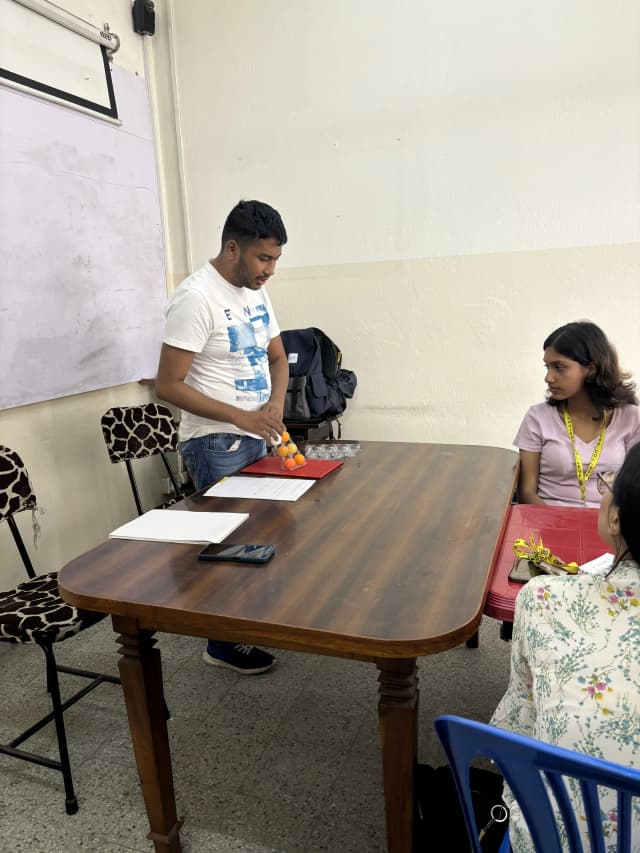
x=223, y=363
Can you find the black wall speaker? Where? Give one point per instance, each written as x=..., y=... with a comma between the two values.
x=144, y=17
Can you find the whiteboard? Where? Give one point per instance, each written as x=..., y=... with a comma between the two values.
x=82, y=280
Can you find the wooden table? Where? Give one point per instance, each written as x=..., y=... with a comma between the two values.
x=384, y=559
x=570, y=532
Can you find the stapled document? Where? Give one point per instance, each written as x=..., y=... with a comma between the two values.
x=267, y=488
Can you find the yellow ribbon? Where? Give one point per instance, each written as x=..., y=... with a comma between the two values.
x=541, y=556
x=581, y=475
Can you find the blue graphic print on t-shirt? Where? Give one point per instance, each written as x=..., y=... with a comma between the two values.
x=243, y=342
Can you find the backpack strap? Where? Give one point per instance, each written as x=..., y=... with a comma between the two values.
x=329, y=353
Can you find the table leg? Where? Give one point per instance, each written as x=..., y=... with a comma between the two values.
x=398, y=716
x=141, y=676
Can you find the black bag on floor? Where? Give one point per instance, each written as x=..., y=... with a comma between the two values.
x=318, y=386
x=439, y=823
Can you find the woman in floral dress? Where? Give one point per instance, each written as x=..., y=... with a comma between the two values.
x=575, y=661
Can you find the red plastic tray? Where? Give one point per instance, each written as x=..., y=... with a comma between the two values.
x=570, y=532
x=313, y=469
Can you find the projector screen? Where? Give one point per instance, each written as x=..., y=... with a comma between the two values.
x=44, y=56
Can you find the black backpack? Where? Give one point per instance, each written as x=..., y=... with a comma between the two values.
x=318, y=386
x=439, y=822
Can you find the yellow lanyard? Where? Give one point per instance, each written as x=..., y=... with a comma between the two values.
x=580, y=473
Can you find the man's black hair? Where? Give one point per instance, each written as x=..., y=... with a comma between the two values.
x=254, y=220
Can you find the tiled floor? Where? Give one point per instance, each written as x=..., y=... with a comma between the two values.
x=287, y=761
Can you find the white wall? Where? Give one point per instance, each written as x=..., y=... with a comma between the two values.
x=457, y=180
x=84, y=496
x=425, y=129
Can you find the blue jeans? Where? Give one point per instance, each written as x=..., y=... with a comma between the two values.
x=209, y=458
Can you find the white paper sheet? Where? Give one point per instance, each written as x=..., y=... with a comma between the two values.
x=598, y=566
x=267, y=488
x=164, y=525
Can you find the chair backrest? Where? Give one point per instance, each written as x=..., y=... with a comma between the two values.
x=16, y=491
x=532, y=769
x=133, y=432
x=16, y=495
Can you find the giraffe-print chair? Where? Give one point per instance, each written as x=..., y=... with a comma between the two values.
x=134, y=432
x=34, y=612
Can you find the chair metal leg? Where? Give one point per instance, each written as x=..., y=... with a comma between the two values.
x=134, y=485
x=172, y=477
x=56, y=715
x=506, y=631
x=71, y=803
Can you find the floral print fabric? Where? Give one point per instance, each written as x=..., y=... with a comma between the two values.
x=575, y=677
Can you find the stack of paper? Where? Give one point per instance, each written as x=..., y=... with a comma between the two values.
x=265, y=488
x=165, y=525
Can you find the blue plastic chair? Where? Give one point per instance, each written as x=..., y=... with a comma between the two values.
x=526, y=764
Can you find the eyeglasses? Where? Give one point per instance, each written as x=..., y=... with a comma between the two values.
x=605, y=480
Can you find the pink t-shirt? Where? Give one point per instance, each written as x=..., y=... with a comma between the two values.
x=543, y=431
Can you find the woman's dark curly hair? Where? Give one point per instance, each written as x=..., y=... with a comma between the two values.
x=609, y=387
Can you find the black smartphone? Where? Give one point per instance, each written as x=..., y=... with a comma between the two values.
x=237, y=553
x=523, y=571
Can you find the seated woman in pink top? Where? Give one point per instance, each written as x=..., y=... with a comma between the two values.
x=587, y=424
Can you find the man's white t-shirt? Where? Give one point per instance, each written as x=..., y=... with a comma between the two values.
x=229, y=329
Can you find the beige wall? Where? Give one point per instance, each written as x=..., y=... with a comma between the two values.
x=84, y=496
x=450, y=349
x=456, y=179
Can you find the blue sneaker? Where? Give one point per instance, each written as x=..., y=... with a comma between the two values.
x=240, y=657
